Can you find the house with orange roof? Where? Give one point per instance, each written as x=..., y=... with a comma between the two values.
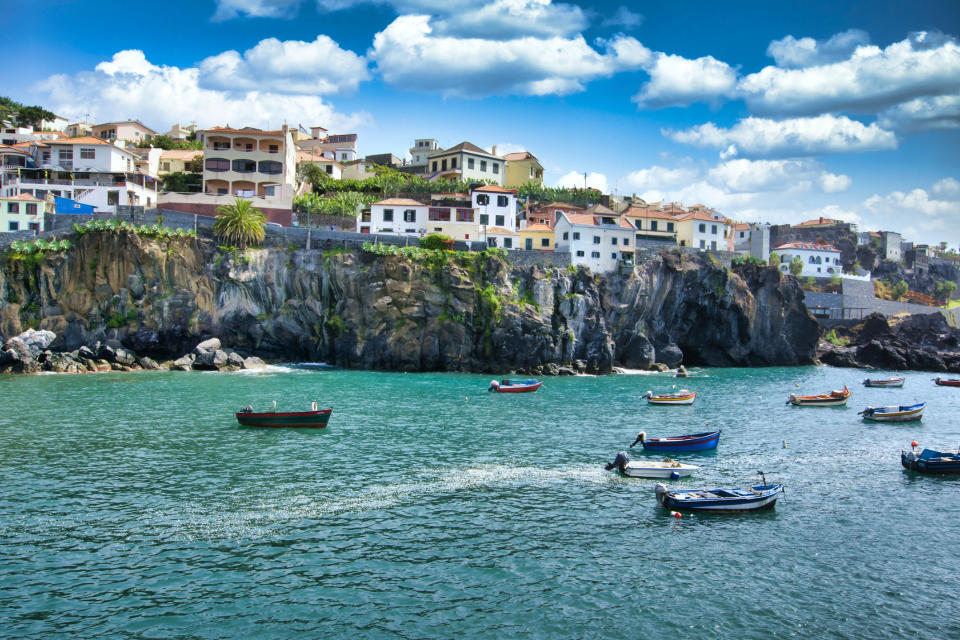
x=600, y=242
x=495, y=206
x=132, y=131
x=501, y=238
x=398, y=216
x=177, y=160
x=342, y=147
x=327, y=164
x=537, y=237
x=547, y=213
x=21, y=213
x=467, y=162
x=654, y=228
x=702, y=230
x=522, y=168
x=820, y=260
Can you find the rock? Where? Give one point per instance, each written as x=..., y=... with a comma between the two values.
x=210, y=360
x=149, y=364
x=207, y=346
x=135, y=285
x=234, y=360
x=184, y=363
x=125, y=358
x=59, y=363
x=566, y=371
x=37, y=341
x=253, y=362
x=18, y=357
x=658, y=366
x=86, y=353
x=116, y=366
x=106, y=352
x=637, y=353
x=670, y=355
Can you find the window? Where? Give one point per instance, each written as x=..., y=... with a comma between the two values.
x=443, y=165
x=14, y=226
x=221, y=146
x=496, y=167
x=713, y=245
x=626, y=242
x=65, y=155
x=434, y=165
x=46, y=157
x=469, y=163
x=566, y=235
x=409, y=230
x=329, y=169
x=812, y=260
x=221, y=191
x=410, y=215
x=528, y=244
x=502, y=201
x=653, y=225
x=271, y=167
x=484, y=218
x=88, y=154
x=483, y=165
x=613, y=240
x=545, y=242
x=703, y=244
x=613, y=256
x=113, y=197
x=669, y=226
x=576, y=235
x=579, y=254
x=713, y=229
x=483, y=199
x=439, y=214
x=595, y=255
x=217, y=164
x=508, y=243
x=274, y=148
x=164, y=166
x=703, y=228
x=464, y=215
x=13, y=207
x=343, y=157
x=31, y=209
x=639, y=224
x=596, y=239
x=244, y=166
x=388, y=215
x=499, y=221
x=453, y=163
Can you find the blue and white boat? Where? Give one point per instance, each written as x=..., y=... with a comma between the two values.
x=664, y=469
x=931, y=461
x=899, y=413
x=693, y=442
x=762, y=496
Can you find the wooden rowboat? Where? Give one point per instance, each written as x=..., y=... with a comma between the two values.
x=680, y=398
x=835, y=398
x=946, y=382
x=313, y=419
x=762, y=496
x=886, y=382
x=899, y=413
x=514, y=386
x=931, y=461
x=693, y=442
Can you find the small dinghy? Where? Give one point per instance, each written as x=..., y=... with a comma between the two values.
x=885, y=382
x=930, y=460
x=514, y=386
x=665, y=468
x=946, y=382
x=313, y=419
x=693, y=442
x=762, y=496
x=901, y=413
x=681, y=397
x=835, y=398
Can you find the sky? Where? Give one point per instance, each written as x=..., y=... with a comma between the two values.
x=772, y=112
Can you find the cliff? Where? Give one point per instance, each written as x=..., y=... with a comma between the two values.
x=420, y=312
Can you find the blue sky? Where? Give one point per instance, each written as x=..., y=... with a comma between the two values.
x=774, y=112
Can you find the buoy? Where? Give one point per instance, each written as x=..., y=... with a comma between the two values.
x=913, y=444
x=466, y=399
x=784, y=444
x=676, y=514
x=674, y=475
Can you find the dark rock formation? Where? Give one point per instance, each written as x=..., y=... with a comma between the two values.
x=923, y=342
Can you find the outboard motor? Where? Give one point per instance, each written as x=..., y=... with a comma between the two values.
x=641, y=438
x=494, y=385
x=619, y=462
x=248, y=409
x=661, y=492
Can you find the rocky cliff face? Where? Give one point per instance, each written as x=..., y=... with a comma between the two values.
x=356, y=309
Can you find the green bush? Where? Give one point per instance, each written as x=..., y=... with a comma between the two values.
x=436, y=241
x=836, y=340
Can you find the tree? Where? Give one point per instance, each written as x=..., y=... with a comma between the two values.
x=774, y=260
x=167, y=143
x=180, y=182
x=31, y=116
x=196, y=165
x=436, y=241
x=899, y=290
x=796, y=266
x=945, y=289
x=240, y=223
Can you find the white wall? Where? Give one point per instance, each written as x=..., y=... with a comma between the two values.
x=493, y=209
x=607, y=254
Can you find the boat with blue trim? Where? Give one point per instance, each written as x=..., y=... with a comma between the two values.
x=885, y=382
x=763, y=496
x=900, y=413
x=930, y=460
x=665, y=468
x=514, y=386
x=692, y=442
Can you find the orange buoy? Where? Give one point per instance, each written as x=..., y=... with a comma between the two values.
x=677, y=515
x=913, y=444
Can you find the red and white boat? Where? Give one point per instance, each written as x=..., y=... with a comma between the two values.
x=946, y=382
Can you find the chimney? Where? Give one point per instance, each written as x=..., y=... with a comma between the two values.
x=493, y=150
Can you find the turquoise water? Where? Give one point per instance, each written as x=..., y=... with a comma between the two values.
x=131, y=505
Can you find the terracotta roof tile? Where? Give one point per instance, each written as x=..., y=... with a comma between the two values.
x=538, y=226
x=500, y=231
x=494, y=188
x=250, y=131
x=809, y=246
x=401, y=202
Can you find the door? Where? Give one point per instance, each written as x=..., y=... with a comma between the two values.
x=528, y=244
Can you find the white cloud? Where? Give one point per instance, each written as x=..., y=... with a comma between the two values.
x=775, y=175
x=230, y=9
x=623, y=17
x=791, y=53
x=759, y=137
x=923, y=114
x=916, y=201
x=290, y=66
x=679, y=81
x=872, y=78
x=409, y=56
x=502, y=19
x=129, y=85
x=946, y=187
x=915, y=214
x=504, y=148
x=576, y=180
x=657, y=177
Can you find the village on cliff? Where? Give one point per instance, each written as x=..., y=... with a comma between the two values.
x=300, y=177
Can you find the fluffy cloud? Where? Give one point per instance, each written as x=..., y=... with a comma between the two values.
x=946, y=187
x=576, y=180
x=916, y=201
x=129, y=85
x=409, y=56
x=504, y=19
x=923, y=114
x=916, y=214
x=290, y=66
x=623, y=17
x=872, y=78
x=657, y=177
x=776, y=175
x=230, y=9
x=791, y=53
x=759, y=137
x=679, y=81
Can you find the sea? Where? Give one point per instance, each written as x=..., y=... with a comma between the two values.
x=132, y=505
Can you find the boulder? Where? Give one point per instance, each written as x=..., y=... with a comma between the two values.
x=106, y=352
x=210, y=360
x=125, y=358
x=18, y=358
x=37, y=341
x=253, y=362
x=184, y=363
x=670, y=355
x=207, y=346
x=86, y=353
x=150, y=364
x=234, y=360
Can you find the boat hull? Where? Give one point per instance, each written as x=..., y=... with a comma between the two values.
x=527, y=386
x=910, y=415
x=936, y=465
x=657, y=470
x=715, y=501
x=665, y=401
x=890, y=383
x=300, y=419
x=947, y=383
x=695, y=442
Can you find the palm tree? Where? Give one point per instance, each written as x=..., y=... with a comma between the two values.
x=240, y=223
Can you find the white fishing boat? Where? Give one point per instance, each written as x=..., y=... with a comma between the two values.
x=885, y=382
x=900, y=413
x=663, y=469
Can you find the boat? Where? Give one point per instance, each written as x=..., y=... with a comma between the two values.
x=930, y=460
x=665, y=468
x=902, y=413
x=884, y=382
x=835, y=398
x=762, y=496
x=681, y=397
x=946, y=382
x=693, y=442
x=514, y=386
x=313, y=419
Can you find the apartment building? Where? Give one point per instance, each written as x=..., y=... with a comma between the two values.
x=247, y=162
x=600, y=242
x=131, y=131
x=522, y=168
x=466, y=162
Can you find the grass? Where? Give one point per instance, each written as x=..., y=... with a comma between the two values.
x=836, y=340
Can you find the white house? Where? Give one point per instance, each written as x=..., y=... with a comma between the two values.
x=421, y=150
x=21, y=213
x=819, y=260
x=495, y=206
x=467, y=162
x=597, y=241
x=400, y=216
x=502, y=238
